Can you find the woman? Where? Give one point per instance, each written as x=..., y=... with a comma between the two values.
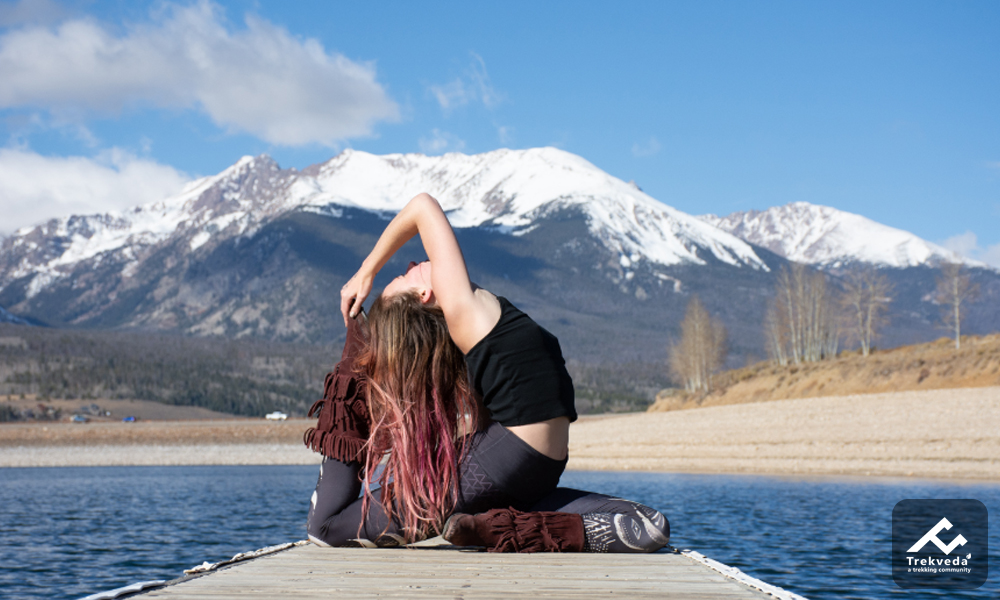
x=441, y=349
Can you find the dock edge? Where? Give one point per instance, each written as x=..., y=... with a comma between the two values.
x=740, y=576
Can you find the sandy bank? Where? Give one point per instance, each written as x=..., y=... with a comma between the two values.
x=937, y=433
x=202, y=442
x=157, y=455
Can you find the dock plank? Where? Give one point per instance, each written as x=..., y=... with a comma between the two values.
x=308, y=572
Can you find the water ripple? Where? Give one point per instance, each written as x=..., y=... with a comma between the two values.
x=69, y=532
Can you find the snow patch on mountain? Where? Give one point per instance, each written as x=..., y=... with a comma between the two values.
x=230, y=202
x=827, y=237
x=512, y=189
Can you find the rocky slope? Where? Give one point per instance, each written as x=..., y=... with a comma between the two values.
x=262, y=251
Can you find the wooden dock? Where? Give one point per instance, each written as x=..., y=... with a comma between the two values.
x=309, y=572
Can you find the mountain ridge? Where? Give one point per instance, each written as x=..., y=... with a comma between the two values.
x=493, y=189
x=827, y=237
x=262, y=251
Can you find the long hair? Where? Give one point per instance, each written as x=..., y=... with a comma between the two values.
x=422, y=410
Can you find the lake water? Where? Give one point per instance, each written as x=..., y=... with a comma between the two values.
x=69, y=532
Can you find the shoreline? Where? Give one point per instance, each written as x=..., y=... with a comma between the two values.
x=941, y=434
x=951, y=435
x=289, y=455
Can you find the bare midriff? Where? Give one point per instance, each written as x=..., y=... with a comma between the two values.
x=551, y=437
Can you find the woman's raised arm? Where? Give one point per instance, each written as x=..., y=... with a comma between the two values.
x=452, y=290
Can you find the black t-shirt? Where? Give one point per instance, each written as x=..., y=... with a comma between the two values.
x=519, y=370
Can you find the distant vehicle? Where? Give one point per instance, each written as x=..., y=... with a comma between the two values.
x=80, y=419
x=276, y=416
x=128, y=420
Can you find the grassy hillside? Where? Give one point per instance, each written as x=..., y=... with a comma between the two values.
x=935, y=365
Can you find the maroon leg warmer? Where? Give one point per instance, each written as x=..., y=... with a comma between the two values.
x=344, y=423
x=509, y=530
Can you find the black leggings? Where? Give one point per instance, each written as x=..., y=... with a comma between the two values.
x=500, y=470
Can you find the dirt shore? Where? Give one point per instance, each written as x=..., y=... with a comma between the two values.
x=937, y=433
x=194, y=442
x=951, y=434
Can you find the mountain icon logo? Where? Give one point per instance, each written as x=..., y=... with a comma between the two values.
x=931, y=536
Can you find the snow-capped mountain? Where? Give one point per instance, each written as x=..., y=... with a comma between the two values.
x=230, y=203
x=827, y=237
x=259, y=250
x=505, y=190
x=262, y=251
x=511, y=189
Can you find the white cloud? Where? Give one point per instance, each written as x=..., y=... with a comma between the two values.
x=963, y=243
x=993, y=164
x=991, y=255
x=475, y=85
x=440, y=142
x=648, y=148
x=34, y=188
x=259, y=79
x=967, y=244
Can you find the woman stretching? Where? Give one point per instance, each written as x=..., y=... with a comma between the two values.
x=439, y=351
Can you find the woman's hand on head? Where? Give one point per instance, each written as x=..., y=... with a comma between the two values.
x=354, y=293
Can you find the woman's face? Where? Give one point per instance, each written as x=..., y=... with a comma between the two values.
x=417, y=277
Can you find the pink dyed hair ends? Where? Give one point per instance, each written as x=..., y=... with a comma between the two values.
x=422, y=411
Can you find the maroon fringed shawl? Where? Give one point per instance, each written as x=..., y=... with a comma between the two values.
x=343, y=427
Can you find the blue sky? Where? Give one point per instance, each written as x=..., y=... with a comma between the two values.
x=886, y=109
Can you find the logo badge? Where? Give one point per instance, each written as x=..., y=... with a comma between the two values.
x=940, y=544
x=931, y=536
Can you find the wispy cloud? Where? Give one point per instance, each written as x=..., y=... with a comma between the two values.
x=451, y=95
x=505, y=134
x=35, y=187
x=647, y=148
x=473, y=85
x=258, y=79
x=967, y=244
x=22, y=125
x=993, y=164
x=991, y=255
x=487, y=93
x=440, y=142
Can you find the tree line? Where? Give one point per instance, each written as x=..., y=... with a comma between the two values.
x=242, y=377
x=808, y=317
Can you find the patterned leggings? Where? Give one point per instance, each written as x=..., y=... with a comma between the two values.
x=499, y=471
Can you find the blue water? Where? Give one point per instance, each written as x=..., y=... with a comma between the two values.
x=69, y=532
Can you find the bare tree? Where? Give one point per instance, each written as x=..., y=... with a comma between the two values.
x=800, y=324
x=777, y=333
x=866, y=296
x=954, y=289
x=701, y=349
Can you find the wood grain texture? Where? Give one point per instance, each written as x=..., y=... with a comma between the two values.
x=308, y=572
